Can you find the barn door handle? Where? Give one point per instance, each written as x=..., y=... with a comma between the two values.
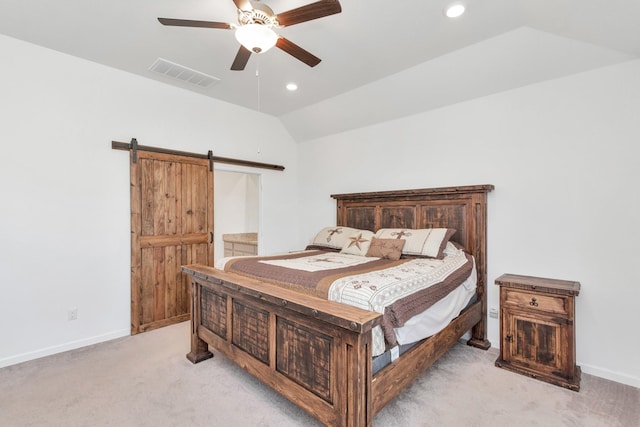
x=211, y=237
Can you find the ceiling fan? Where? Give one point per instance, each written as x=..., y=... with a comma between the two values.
x=254, y=29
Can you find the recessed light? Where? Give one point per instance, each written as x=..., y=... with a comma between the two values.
x=292, y=87
x=455, y=10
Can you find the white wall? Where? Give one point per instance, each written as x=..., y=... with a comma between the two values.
x=64, y=216
x=563, y=156
x=237, y=208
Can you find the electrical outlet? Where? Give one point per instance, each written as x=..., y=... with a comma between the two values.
x=72, y=314
x=493, y=312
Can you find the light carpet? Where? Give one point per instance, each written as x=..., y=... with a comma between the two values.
x=145, y=380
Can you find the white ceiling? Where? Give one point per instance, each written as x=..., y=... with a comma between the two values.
x=380, y=59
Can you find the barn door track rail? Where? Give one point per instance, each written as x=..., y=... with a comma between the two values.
x=135, y=147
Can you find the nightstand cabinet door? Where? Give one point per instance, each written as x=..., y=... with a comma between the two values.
x=536, y=342
x=537, y=328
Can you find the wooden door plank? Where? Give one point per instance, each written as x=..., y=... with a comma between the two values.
x=158, y=197
x=159, y=284
x=187, y=199
x=146, y=197
x=146, y=286
x=180, y=281
x=172, y=281
x=200, y=200
x=171, y=198
x=136, y=256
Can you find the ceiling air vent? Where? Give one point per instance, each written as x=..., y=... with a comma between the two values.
x=183, y=73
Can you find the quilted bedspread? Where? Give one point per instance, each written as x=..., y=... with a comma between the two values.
x=396, y=289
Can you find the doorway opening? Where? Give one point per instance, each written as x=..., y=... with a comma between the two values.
x=237, y=213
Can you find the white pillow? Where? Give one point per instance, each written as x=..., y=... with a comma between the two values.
x=358, y=243
x=428, y=242
x=334, y=237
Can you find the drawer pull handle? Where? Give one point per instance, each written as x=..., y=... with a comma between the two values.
x=533, y=302
x=509, y=338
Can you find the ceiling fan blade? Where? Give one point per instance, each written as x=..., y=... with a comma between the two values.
x=309, y=12
x=243, y=4
x=297, y=52
x=241, y=59
x=190, y=23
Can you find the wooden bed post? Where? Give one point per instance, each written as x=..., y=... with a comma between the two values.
x=358, y=382
x=199, y=348
x=479, y=331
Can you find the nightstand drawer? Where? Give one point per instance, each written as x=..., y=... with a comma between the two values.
x=536, y=301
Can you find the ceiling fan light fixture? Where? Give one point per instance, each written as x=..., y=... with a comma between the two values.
x=256, y=37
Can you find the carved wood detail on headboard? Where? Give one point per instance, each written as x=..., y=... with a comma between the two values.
x=462, y=208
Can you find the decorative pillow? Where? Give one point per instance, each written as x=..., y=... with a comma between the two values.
x=333, y=237
x=386, y=248
x=428, y=242
x=358, y=243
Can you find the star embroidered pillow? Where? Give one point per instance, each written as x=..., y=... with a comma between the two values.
x=386, y=248
x=358, y=243
x=333, y=237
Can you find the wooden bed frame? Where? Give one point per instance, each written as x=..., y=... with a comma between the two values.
x=317, y=353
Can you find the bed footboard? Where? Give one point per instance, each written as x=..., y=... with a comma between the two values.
x=314, y=352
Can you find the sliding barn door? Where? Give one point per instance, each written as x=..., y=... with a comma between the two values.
x=171, y=225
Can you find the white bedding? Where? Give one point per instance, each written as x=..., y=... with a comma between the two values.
x=438, y=316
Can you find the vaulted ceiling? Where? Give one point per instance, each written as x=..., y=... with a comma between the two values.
x=380, y=59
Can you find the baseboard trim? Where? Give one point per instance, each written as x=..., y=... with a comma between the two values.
x=72, y=345
x=598, y=372
x=610, y=375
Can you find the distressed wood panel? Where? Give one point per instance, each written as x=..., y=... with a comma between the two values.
x=304, y=356
x=446, y=216
x=213, y=312
x=147, y=287
x=251, y=330
x=398, y=217
x=535, y=342
x=362, y=217
x=164, y=289
x=195, y=200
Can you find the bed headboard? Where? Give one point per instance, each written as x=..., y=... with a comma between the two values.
x=462, y=208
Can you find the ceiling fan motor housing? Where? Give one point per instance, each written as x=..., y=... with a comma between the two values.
x=260, y=14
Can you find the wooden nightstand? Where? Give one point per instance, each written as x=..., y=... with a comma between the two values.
x=537, y=328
